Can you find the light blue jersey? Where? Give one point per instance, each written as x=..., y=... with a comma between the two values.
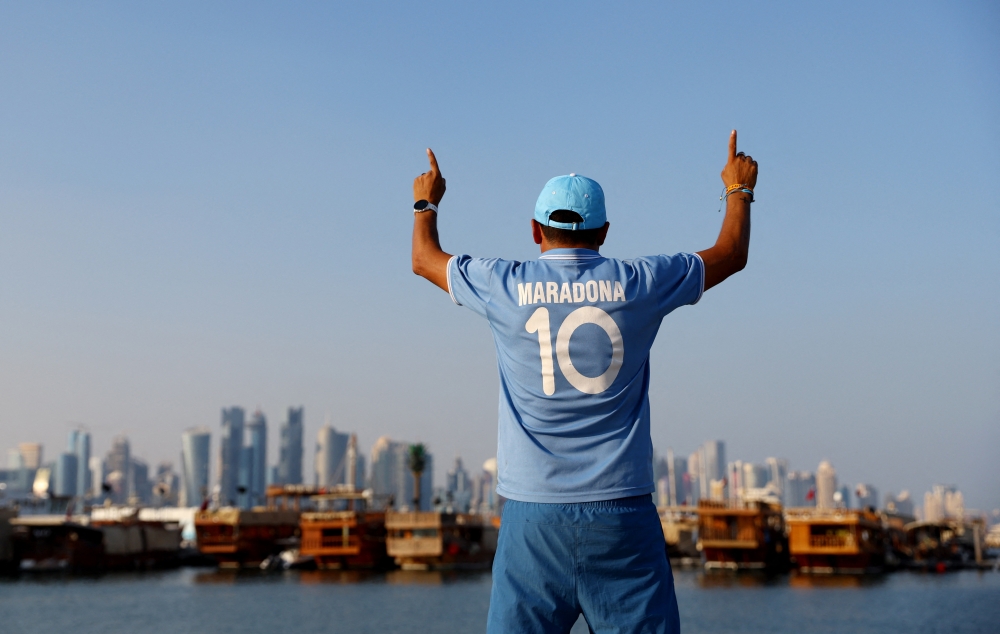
x=573, y=331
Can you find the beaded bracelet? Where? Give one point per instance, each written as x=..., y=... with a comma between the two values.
x=736, y=188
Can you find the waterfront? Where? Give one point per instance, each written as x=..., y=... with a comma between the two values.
x=201, y=600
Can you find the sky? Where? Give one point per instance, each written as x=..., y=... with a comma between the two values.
x=207, y=205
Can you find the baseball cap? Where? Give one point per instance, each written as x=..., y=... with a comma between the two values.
x=575, y=193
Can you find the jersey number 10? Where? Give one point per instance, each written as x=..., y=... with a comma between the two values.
x=539, y=322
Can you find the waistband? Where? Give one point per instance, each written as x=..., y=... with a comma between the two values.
x=634, y=501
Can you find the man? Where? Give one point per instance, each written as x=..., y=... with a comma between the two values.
x=573, y=331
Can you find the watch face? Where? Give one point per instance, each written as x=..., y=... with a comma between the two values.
x=420, y=205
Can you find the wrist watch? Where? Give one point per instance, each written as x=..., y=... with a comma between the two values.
x=424, y=205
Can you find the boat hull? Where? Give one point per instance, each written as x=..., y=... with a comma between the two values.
x=243, y=539
x=345, y=540
x=57, y=547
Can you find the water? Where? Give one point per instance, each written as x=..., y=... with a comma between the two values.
x=304, y=602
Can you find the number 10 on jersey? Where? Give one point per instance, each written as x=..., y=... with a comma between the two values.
x=539, y=323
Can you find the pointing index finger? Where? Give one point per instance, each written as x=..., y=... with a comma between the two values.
x=732, y=146
x=433, y=160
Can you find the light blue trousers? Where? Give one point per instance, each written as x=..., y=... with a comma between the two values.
x=606, y=559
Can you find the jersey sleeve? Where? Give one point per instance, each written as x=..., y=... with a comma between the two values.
x=675, y=280
x=469, y=282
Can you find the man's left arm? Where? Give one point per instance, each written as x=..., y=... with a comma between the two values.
x=429, y=261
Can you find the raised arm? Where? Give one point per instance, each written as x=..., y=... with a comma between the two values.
x=429, y=261
x=729, y=255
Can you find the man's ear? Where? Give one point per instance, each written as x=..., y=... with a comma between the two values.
x=536, y=231
x=603, y=234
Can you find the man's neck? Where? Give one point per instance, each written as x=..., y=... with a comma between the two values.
x=546, y=246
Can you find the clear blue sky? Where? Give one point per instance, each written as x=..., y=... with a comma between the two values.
x=208, y=205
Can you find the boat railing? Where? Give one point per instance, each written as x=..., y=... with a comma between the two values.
x=313, y=542
x=832, y=541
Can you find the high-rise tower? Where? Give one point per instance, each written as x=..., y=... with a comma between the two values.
x=711, y=465
x=331, y=457
x=230, y=448
x=79, y=445
x=195, y=460
x=290, y=458
x=826, y=485
x=256, y=438
x=118, y=465
x=391, y=475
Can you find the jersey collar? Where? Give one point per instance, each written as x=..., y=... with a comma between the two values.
x=570, y=254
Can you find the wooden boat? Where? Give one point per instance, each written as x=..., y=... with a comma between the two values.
x=345, y=539
x=898, y=552
x=837, y=541
x=433, y=540
x=944, y=545
x=7, y=562
x=236, y=538
x=680, y=528
x=56, y=543
x=742, y=536
x=134, y=544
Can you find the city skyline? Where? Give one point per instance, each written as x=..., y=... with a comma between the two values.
x=202, y=212
x=678, y=480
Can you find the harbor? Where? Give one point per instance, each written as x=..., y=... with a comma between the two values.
x=342, y=529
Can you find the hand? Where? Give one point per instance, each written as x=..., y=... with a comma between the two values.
x=741, y=168
x=429, y=186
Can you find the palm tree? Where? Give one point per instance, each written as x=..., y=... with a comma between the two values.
x=417, y=461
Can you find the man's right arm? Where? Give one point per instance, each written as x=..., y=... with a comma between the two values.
x=729, y=255
x=429, y=260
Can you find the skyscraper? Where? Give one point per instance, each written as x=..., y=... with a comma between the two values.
x=195, y=460
x=256, y=438
x=31, y=454
x=801, y=489
x=140, y=486
x=118, y=465
x=661, y=467
x=15, y=460
x=19, y=478
x=459, y=487
x=826, y=485
x=64, y=478
x=677, y=480
x=331, y=456
x=490, y=501
x=230, y=448
x=79, y=445
x=96, y=476
x=712, y=465
x=391, y=475
x=694, y=469
x=755, y=476
x=355, y=469
x=166, y=485
x=943, y=502
x=290, y=458
x=778, y=477
x=243, y=478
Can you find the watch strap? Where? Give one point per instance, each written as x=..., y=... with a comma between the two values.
x=424, y=205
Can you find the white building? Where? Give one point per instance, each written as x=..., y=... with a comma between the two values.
x=826, y=485
x=943, y=502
